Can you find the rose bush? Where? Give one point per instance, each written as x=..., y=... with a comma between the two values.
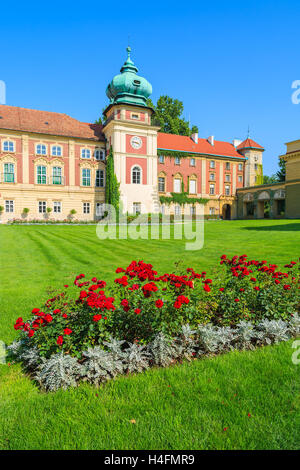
x=140, y=304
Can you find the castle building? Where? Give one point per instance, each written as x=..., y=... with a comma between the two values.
x=53, y=166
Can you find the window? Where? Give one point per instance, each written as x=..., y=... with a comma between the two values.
x=177, y=185
x=212, y=177
x=136, y=208
x=192, y=162
x=192, y=210
x=41, y=173
x=211, y=211
x=240, y=179
x=161, y=159
x=9, y=206
x=86, y=177
x=99, y=209
x=211, y=189
x=177, y=210
x=86, y=207
x=161, y=184
x=227, y=178
x=192, y=187
x=56, y=151
x=85, y=153
x=57, y=207
x=56, y=175
x=42, y=207
x=99, y=178
x=136, y=175
x=8, y=146
x=227, y=190
x=227, y=166
x=212, y=164
x=255, y=167
x=99, y=154
x=135, y=116
x=177, y=160
x=41, y=149
x=240, y=167
x=9, y=173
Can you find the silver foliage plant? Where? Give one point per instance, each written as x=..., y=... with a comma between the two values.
x=114, y=357
x=59, y=371
x=162, y=350
x=136, y=358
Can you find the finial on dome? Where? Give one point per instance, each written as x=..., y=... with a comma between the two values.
x=128, y=49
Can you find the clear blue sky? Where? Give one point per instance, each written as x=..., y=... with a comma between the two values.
x=232, y=63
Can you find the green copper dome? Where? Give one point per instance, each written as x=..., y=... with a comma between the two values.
x=128, y=87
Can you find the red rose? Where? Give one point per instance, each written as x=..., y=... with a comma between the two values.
x=57, y=310
x=30, y=333
x=177, y=304
x=137, y=311
x=48, y=318
x=221, y=289
x=60, y=340
x=206, y=288
x=97, y=317
x=159, y=303
x=35, y=310
x=124, y=303
x=65, y=315
x=242, y=289
x=66, y=285
x=286, y=287
x=67, y=331
x=236, y=300
x=256, y=288
x=253, y=279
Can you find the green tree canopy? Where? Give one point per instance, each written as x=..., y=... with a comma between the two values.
x=168, y=116
x=270, y=179
x=112, y=193
x=281, y=172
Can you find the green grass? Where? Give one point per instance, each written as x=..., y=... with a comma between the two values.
x=182, y=407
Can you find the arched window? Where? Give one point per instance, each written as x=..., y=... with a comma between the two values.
x=99, y=154
x=136, y=175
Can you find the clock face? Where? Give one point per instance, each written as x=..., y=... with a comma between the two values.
x=136, y=142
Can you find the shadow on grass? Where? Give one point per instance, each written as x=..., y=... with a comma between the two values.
x=277, y=228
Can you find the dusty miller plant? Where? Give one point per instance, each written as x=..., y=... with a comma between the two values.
x=100, y=365
x=273, y=331
x=136, y=358
x=245, y=335
x=162, y=350
x=59, y=371
x=185, y=344
x=294, y=325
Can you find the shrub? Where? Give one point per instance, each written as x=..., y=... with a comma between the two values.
x=59, y=371
x=136, y=358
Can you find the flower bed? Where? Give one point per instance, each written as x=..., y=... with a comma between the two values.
x=93, y=332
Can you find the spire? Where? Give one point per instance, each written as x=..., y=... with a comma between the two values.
x=128, y=64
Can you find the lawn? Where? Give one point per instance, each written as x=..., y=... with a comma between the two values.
x=218, y=392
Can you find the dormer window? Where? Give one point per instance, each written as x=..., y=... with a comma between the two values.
x=99, y=154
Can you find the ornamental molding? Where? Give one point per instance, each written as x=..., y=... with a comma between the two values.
x=8, y=158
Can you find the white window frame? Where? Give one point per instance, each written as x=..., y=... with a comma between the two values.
x=193, y=161
x=240, y=178
x=42, y=207
x=177, y=181
x=212, y=189
x=227, y=166
x=161, y=183
x=240, y=167
x=192, y=182
x=211, y=211
x=99, y=155
x=177, y=209
x=177, y=160
x=161, y=159
x=136, y=207
x=227, y=190
x=86, y=207
x=227, y=178
x=85, y=153
x=42, y=175
x=212, y=177
x=41, y=149
x=56, y=151
x=212, y=164
x=9, y=176
x=138, y=175
x=57, y=207
x=10, y=146
x=85, y=177
x=100, y=209
x=9, y=206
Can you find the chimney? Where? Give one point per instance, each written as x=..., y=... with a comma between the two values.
x=236, y=142
x=194, y=137
x=211, y=140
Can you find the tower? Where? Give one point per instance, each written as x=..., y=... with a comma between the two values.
x=129, y=131
x=254, y=165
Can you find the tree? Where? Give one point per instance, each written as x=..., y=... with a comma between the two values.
x=269, y=179
x=168, y=116
x=282, y=171
x=112, y=193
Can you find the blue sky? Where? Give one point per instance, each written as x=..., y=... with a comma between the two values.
x=231, y=63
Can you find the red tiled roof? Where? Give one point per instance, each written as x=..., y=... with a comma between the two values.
x=249, y=144
x=186, y=144
x=46, y=122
